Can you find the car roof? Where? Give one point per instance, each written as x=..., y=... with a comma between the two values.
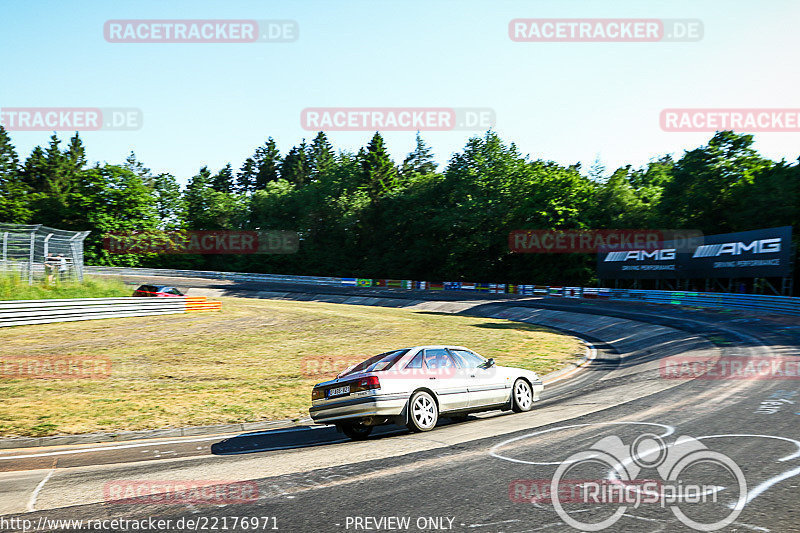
x=451, y=346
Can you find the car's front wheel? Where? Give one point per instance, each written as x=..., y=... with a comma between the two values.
x=355, y=431
x=521, y=396
x=423, y=412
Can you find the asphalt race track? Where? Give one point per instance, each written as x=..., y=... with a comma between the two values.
x=491, y=472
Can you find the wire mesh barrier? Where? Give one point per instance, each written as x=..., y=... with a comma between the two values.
x=28, y=312
x=36, y=252
x=753, y=302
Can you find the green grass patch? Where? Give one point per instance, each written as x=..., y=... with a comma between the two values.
x=254, y=360
x=12, y=287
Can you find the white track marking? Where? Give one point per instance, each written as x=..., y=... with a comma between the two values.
x=614, y=478
x=787, y=458
x=32, y=502
x=138, y=445
x=756, y=492
x=751, y=494
x=495, y=523
x=754, y=528
x=591, y=355
x=669, y=430
x=645, y=519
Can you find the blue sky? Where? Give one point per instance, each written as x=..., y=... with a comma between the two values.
x=208, y=104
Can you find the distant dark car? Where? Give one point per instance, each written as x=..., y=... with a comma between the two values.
x=157, y=290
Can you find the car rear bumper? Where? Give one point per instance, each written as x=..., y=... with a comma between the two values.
x=384, y=405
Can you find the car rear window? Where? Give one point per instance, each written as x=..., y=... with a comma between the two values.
x=377, y=363
x=416, y=362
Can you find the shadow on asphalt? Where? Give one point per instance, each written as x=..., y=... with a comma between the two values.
x=303, y=437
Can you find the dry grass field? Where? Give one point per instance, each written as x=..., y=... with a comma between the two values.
x=254, y=360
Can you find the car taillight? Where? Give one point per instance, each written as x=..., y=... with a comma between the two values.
x=317, y=394
x=367, y=383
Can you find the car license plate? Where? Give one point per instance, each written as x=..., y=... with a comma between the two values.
x=338, y=391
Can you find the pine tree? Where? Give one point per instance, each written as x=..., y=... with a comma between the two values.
x=320, y=156
x=420, y=160
x=138, y=168
x=9, y=161
x=295, y=166
x=223, y=180
x=34, y=171
x=169, y=204
x=379, y=172
x=197, y=199
x=13, y=191
x=75, y=155
x=246, y=178
x=55, y=163
x=267, y=160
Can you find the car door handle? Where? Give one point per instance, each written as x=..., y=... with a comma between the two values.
x=432, y=377
x=472, y=375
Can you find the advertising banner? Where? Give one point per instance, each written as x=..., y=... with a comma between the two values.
x=758, y=253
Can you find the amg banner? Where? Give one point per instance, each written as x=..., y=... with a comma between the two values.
x=758, y=253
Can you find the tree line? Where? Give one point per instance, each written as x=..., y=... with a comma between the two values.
x=363, y=214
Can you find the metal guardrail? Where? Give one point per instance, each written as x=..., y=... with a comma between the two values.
x=233, y=276
x=754, y=302
x=27, y=312
x=785, y=305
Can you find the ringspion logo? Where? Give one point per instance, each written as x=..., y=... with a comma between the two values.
x=685, y=466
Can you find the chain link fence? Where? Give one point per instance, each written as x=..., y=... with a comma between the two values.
x=36, y=252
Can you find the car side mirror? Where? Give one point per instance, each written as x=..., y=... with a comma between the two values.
x=489, y=363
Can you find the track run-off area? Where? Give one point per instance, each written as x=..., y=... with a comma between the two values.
x=490, y=472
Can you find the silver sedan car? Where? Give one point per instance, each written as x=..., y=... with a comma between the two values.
x=414, y=386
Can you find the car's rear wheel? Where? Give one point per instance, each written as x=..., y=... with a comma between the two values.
x=423, y=412
x=355, y=431
x=521, y=396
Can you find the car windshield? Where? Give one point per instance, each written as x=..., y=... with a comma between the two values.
x=376, y=363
